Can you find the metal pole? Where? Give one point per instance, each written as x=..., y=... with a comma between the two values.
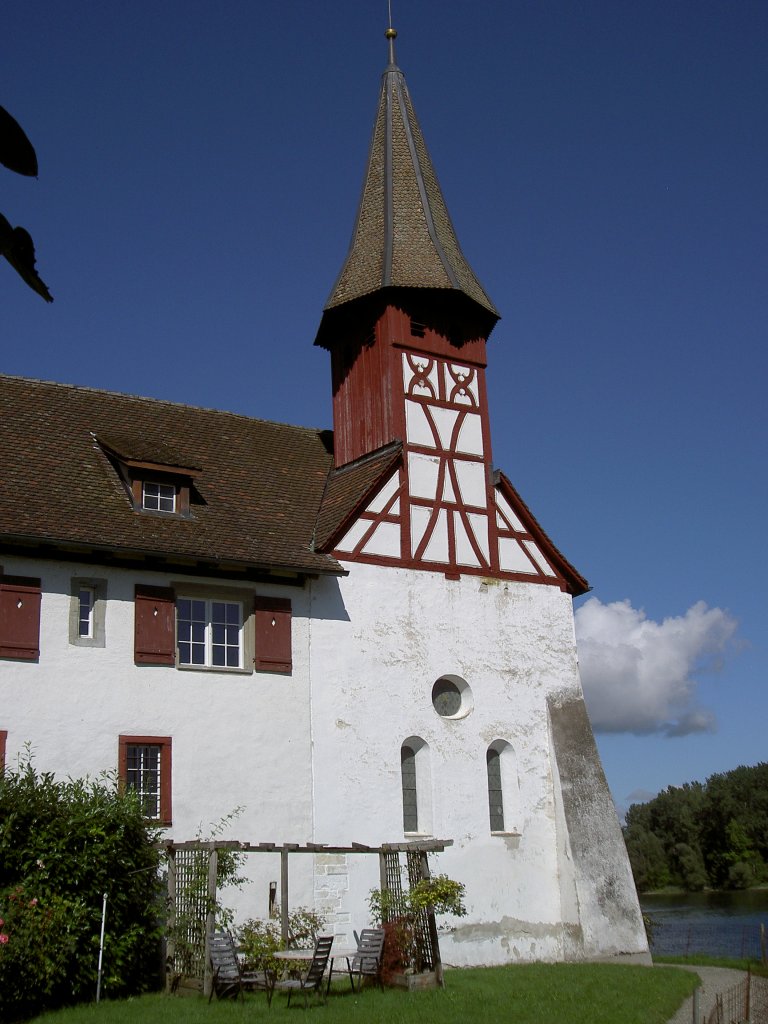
x=101, y=947
x=284, y=896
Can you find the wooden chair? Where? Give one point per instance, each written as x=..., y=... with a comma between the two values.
x=312, y=979
x=229, y=978
x=366, y=963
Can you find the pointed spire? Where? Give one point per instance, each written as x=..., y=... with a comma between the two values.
x=403, y=235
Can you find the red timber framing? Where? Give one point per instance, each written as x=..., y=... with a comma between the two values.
x=368, y=410
x=406, y=371
x=3, y=741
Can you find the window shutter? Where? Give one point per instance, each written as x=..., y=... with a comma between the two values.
x=19, y=618
x=155, y=634
x=273, y=634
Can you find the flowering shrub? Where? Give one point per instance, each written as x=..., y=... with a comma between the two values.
x=399, y=914
x=62, y=845
x=38, y=951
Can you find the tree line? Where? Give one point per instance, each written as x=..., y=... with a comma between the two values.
x=698, y=836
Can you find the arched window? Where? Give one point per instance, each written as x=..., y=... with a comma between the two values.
x=503, y=787
x=416, y=786
x=495, y=792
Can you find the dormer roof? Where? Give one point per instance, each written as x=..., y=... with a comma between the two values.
x=403, y=235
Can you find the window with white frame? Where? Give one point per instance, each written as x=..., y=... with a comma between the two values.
x=86, y=603
x=87, y=612
x=157, y=497
x=209, y=633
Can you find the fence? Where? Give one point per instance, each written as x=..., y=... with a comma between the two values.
x=745, y=1002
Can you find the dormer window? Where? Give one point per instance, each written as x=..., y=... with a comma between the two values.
x=157, y=497
x=155, y=477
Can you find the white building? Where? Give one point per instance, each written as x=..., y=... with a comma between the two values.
x=360, y=636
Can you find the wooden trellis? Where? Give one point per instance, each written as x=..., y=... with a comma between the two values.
x=192, y=869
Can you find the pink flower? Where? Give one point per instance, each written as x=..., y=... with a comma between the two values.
x=3, y=938
x=33, y=902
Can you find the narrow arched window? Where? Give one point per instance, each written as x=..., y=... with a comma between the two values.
x=416, y=784
x=410, y=793
x=503, y=787
x=495, y=792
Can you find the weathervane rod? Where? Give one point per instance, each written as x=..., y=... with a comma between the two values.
x=391, y=35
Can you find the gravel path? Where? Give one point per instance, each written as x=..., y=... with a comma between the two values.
x=713, y=980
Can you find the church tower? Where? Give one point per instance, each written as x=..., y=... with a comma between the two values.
x=406, y=324
x=445, y=692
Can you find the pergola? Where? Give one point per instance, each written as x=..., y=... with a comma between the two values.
x=192, y=895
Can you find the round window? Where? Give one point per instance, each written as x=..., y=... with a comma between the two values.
x=451, y=697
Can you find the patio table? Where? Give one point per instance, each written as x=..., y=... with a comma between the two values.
x=305, y=956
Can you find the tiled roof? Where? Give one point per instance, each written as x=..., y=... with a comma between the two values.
x=258, y=485
x=577, y=584
x=403, y=235
x=349, y=488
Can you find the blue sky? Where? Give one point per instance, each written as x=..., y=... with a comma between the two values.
x=605, y=163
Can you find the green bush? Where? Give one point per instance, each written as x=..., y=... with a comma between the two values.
x=63, y=844
x=259, y=940
x=399, y=913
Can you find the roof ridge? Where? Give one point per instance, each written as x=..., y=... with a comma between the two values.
x=156, y=401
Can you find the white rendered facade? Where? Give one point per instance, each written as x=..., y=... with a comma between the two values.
x=314, y=756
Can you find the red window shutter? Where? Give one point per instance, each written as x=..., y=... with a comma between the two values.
x=20, y=618
x=155, y=632
x=273, y=634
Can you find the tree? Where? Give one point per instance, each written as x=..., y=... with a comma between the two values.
x=62, y=846
x=18, y=154
x=648, y=858
x=712, y=834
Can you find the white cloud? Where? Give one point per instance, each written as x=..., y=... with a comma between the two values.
x=638, y=674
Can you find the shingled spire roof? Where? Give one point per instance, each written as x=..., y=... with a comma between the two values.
x=403, y=235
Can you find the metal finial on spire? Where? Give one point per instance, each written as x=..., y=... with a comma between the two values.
x=391, y=35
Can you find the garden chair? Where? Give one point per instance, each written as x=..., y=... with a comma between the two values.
x=312, y=979
x=229, y=978
x=366, y=963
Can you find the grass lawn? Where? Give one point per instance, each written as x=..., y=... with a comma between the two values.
x=525, y=994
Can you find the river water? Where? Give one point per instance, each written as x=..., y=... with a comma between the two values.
x=715, y=923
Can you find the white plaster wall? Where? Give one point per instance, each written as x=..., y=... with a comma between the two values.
x=372, y=672
x=239, y=739
x=367, y=649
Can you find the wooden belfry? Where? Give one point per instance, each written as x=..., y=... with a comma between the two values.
x=192, y=872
